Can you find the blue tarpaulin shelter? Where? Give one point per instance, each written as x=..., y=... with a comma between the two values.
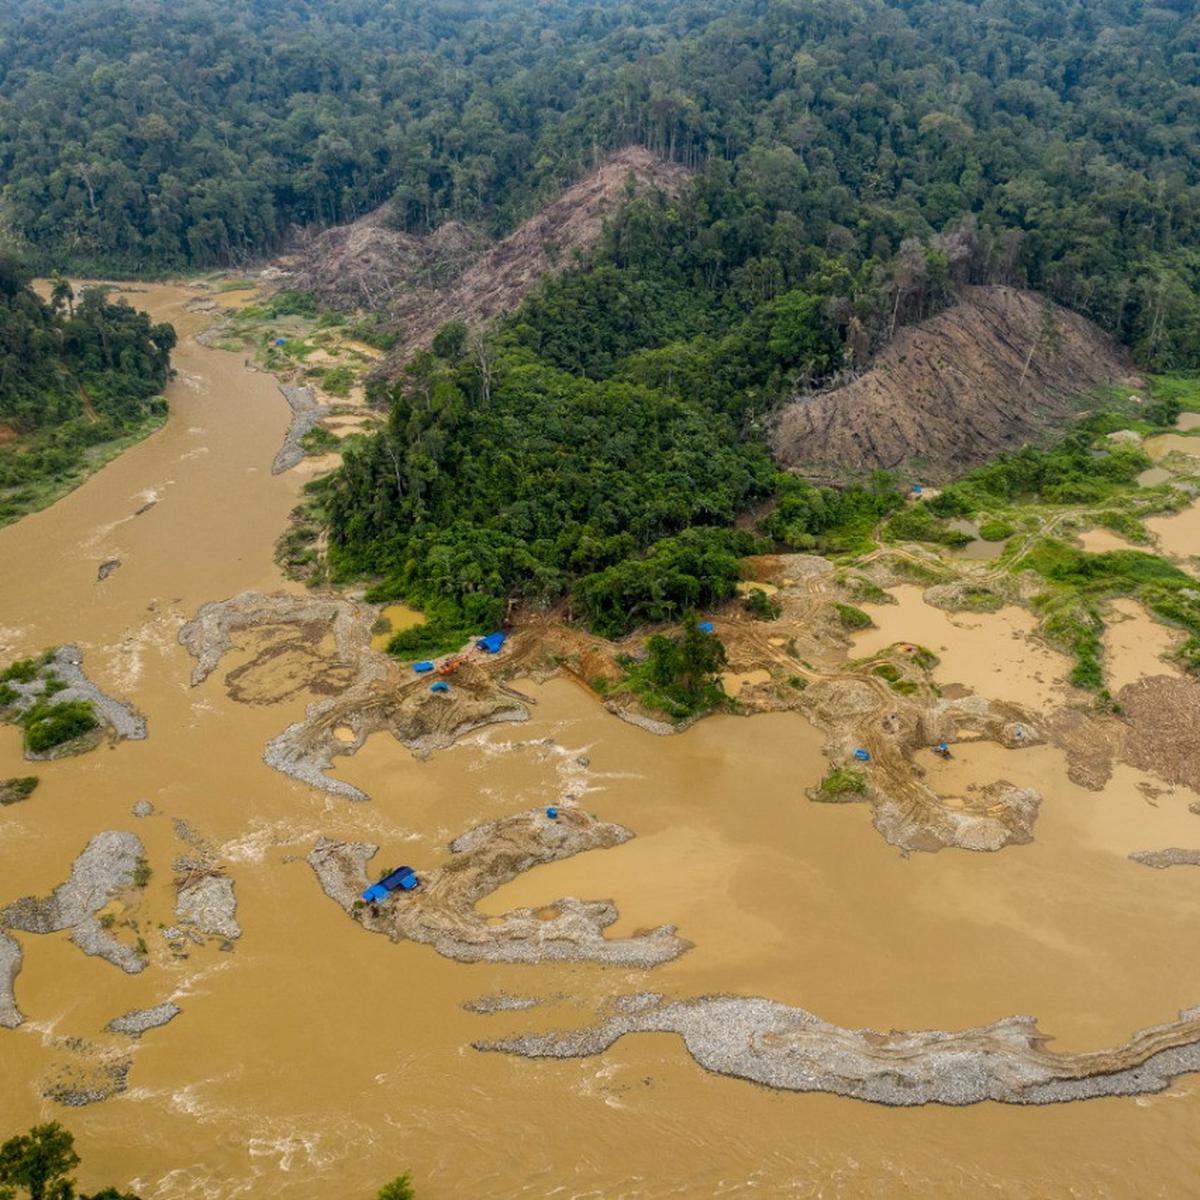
x=706, y=627
x=422, y=667
x=440, y=686
x=492, y=642
x=862, y=755
x=403, y=879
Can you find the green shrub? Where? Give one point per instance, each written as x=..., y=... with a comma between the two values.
x=841, y=782
x=400, y=1188
x=24, y=670
x=318, y=440
x=761, y=606
x=142, y=873
x=50, y=725
x=996, y=530
x=338, y=381
x=851, y=618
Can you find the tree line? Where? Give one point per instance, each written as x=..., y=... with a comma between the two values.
x=1053, y=144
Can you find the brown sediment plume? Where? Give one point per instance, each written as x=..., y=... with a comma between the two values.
x=791, y=1049
x=442, y=912
x=87, y=1073
x=373, y=697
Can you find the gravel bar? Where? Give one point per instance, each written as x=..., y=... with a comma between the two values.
x=791, y=1049
x=104, y=869
x=306, y=414
x=1173, y=856
x=136, y=1023
x=10, y=967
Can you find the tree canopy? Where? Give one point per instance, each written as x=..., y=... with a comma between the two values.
x=1063, y=135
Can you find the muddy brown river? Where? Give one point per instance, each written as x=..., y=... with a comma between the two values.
x=317, y=1061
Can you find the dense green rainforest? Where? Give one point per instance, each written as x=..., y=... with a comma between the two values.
x=77, y=375
x=153, y=137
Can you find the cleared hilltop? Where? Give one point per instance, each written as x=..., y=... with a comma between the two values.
x=999, y=368
x=420, y=283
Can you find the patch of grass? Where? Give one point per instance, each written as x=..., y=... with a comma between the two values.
x=338, y=381
x=318, y=440
x=1081, y=583
x=24, y=670
x=917, y=572
x=925, y=658
x=840, y=783
x=917, y=523
x=887, y=671
x=142, y=873
x=976, y=598
x=851, y=618
x=1124, y=524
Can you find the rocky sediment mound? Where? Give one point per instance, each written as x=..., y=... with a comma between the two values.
x=442, y=912
x=307, y=413
x=140, y=1020
x=370, y=698
x=104, y=869
x=857, y=713
x=11, y=958
x=793, y=1050
x=64, y=668
x=998, y=369
x=1173, y=856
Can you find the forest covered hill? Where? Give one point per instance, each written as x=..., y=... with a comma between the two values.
x=152, y=137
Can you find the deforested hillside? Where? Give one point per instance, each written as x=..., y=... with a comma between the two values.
x=999, y=368
x=419, y=283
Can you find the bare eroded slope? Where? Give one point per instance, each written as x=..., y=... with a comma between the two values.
x=948, y=393
x=453, y=274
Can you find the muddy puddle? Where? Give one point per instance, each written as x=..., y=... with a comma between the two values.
x=392, y=619
x=1136, y=646
x=994, y=654
x=1101, y=541
x=1160, y=446
x=314, y=1061
x=1179, y=533
x=978, y=549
